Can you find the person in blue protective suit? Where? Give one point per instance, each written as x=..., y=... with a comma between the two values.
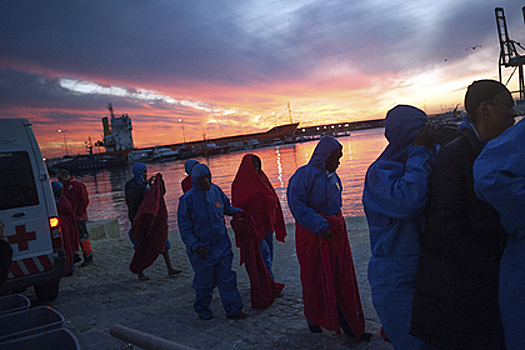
x=329, y=285
x=202, y=229
x=499, y=179
x=455, y=303
x=394, y=197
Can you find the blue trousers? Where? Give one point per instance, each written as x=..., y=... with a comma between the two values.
x=267, y=252
x=220, y=274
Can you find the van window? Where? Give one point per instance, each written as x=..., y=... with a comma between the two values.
x=17, y=182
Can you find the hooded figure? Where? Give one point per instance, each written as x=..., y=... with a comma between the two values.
x=68, y=225
x=148, y=216
x=188, y=167
x=254, y=194
x=77, y=194
x=136, y=189
x=330, y=291
x=394, y=196
x=150, y=228
x=202, y=229
x=499, y=179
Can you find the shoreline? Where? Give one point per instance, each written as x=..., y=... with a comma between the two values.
x=107, y=293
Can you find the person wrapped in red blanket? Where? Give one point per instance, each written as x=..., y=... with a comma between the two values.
x=149, y=229
x=254, y=194
x=330, y=291
x=263, y=288
x=68, y=225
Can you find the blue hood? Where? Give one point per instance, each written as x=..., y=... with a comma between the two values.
x=402, y=123
x=323, y=149
x=57, y=186
x=189, y=164
x=198, y=171
x=138, y=169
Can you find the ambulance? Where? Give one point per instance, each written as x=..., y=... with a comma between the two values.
x=28, y=210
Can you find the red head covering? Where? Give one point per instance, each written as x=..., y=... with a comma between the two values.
x=253, y=193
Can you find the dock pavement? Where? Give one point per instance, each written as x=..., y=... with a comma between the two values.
x=107, y=293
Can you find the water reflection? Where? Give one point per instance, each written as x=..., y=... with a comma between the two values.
x=106, y=188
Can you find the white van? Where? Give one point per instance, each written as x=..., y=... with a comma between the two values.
x=27, y=208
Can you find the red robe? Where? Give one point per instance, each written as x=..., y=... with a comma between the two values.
x=262, y=286
x=150, y=227
x=186, y=184
x=328, y=277
x=253, y=193
x=69, y=229
x=77, y=194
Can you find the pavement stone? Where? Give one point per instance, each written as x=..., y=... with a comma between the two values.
x=107, y=293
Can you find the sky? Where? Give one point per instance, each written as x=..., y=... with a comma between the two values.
x=189, y=69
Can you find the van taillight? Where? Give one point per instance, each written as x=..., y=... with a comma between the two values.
x=56, y=236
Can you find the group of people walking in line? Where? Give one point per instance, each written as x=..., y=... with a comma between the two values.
x=446, y=223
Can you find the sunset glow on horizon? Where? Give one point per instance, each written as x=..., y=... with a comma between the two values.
x=231, y=68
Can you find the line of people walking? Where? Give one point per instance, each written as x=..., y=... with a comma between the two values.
x=440, y=217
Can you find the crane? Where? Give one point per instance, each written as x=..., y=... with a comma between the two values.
x=509, y=56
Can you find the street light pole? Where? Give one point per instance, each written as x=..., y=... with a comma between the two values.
x=183, y=134
x=65, y=142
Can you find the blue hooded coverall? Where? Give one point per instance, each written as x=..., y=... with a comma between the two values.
x=499, y=179
x=200, y=218
x=394, y=196
x=313, y=191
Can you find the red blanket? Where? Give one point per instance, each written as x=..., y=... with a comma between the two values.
x=69, y=229
x=254, y=194
x=262, y=286
x=150, y=227
x=328, y=277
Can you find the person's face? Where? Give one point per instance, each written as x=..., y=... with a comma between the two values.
x=501, y=113
x=145, y=174
x=204, y=182
x=256, y=164
x=332, y=162
x=62, y=178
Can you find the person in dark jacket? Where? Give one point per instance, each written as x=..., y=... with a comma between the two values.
x=455, y=303
x=135, y=190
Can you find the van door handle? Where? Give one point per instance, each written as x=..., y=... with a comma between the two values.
x=19, y=215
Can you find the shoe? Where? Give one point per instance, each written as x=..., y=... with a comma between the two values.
x=174, y=272
x=314, y=328
x=366, y=336
x=87, y=262
x=76, y=258
x=240, y=316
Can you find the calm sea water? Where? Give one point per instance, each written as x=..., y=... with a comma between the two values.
x=106, y=188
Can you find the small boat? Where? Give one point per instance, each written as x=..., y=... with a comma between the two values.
x=162, y=154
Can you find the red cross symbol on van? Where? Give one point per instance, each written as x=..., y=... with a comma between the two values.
x=22, y=237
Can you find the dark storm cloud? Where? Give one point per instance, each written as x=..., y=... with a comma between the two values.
x=171, y=42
